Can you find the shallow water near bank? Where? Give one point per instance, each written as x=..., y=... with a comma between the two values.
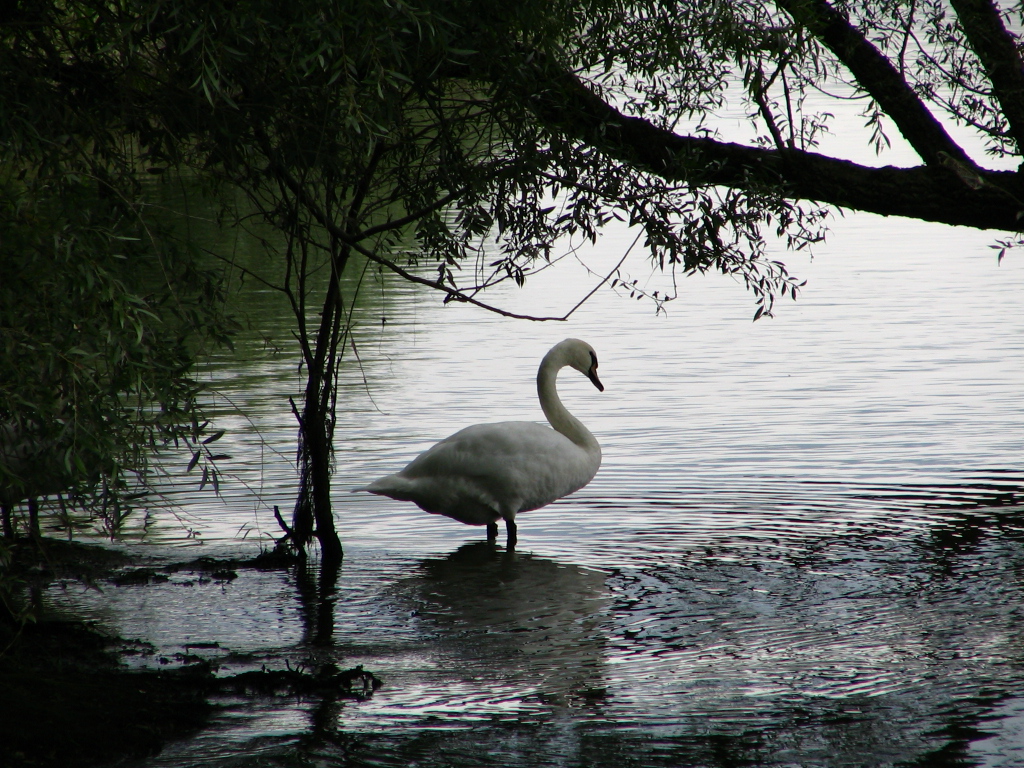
x=805, y=545
x=776, y=640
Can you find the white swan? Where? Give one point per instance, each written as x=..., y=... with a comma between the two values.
x=489, y=472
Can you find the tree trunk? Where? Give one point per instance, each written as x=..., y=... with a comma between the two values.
x=313, y=514
x=318, y=448
x=316, y=430
x=313, y=504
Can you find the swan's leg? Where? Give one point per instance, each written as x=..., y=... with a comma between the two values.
x=492, y=532
x=510, y=529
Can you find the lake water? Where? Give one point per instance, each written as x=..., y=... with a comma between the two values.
x=805, y=546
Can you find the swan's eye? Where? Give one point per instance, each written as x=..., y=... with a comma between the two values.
x=593, y=360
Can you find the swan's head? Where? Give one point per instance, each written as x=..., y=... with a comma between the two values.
x=579, y=355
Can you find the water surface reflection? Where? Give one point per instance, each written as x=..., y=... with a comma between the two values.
x=879, y=621
x=805, y=545
x=509, y=616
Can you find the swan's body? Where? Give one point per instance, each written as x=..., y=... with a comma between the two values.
x=491, y=472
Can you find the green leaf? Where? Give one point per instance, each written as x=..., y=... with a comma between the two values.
x=214, y=437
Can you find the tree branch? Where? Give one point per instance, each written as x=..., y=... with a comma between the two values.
x=997, y=50
x=948, y=191
x=876, y=75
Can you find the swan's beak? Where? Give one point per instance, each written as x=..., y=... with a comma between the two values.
x=592, y=375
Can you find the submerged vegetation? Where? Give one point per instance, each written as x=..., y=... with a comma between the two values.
x=68, y=699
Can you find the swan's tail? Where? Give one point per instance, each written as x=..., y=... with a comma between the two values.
x=365, y=489
x=395, y=486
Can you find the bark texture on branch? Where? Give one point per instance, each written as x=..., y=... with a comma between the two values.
x=939, y=193
x=997, y=50
x=879, y=78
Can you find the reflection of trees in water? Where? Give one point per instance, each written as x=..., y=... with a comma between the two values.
x=512, y=616
x=317, y=591
x=317, y=587
x=883, y=646
x=893, y=641
x=529, y=745
x=984, y=508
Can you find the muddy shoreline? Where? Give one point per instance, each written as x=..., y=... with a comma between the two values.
x=68, y=699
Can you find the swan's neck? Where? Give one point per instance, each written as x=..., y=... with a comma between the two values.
x=557, y=414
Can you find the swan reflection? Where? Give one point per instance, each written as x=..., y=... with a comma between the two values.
x=513, y=617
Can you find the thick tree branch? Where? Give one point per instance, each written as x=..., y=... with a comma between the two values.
x=950, y=192
x=876, y=75
x=997, y=50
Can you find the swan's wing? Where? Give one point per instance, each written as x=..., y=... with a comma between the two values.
x=510, y=466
